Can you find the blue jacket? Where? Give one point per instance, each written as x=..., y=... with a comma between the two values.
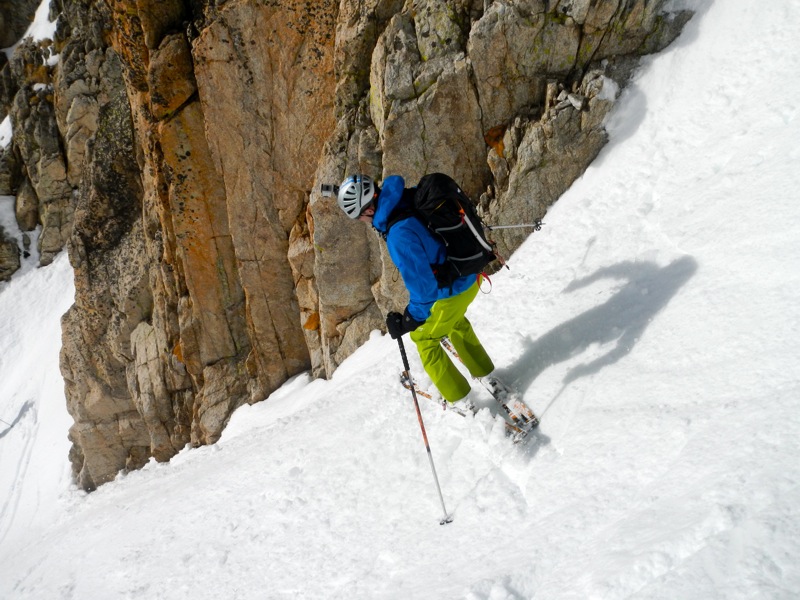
x=414, y=249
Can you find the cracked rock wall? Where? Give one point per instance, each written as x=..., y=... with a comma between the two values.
x=176, y=147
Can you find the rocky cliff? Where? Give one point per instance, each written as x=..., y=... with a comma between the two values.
x=175, y=148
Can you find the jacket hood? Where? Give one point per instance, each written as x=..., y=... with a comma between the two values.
x=390, y=198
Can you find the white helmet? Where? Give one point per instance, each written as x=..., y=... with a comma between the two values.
x=355, y=194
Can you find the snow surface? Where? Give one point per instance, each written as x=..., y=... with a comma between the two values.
x=653, y=324
x=6, y=132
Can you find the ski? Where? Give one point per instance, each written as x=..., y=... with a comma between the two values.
x=516, y=432
x=405, y=380
x=520, y=413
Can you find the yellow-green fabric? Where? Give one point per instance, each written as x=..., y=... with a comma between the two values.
x=447, y=319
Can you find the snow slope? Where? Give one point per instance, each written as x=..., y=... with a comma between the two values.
x=34, y=470
x=653, y=324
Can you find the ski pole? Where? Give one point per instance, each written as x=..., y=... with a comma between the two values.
x=446, y=518
x=537, y=226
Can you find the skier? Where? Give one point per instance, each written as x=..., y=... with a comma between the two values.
x=433, y=312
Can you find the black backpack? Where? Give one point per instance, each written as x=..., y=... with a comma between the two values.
x=449, y=213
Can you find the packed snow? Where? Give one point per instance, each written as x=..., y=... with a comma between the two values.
x=653, y=324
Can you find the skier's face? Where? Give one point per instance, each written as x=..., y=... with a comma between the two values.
x=369, y=210
x=367, y=214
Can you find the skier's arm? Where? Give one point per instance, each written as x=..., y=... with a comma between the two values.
x=408, y=252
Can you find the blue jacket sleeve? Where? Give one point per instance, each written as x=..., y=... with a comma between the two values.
x=413, y=255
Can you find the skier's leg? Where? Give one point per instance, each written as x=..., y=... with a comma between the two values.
x=470, y=349
x=452, y=385
x=463, y=337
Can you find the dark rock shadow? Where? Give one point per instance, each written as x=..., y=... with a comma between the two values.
x=621, y=320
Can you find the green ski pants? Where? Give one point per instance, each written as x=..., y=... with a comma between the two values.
x=448, y=318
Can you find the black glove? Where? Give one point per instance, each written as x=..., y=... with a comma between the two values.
x=398, y=324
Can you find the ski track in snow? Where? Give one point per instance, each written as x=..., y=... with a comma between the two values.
x=653, y=325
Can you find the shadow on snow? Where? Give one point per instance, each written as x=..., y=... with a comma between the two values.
x=623, y=318
x=25, y=408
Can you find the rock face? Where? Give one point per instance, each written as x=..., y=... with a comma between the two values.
x=15, y=17
x=176, y=149
x=9, y=255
